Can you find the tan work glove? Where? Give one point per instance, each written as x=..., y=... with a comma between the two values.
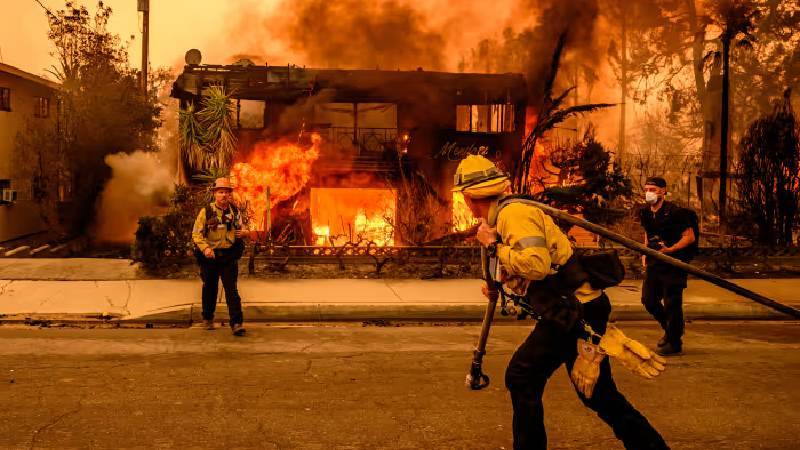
x=586, y=370
x=632, y=354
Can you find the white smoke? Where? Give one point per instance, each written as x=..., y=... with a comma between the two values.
x=141, y=185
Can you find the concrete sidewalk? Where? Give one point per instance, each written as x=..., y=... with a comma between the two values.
x=177, y=301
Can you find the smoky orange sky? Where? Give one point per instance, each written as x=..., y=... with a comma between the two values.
x=222, y=29
x=175, y=26
x=390, y=34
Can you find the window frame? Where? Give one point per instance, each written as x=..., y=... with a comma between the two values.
x=492, y=118
x=5, y=99
x=42, y=105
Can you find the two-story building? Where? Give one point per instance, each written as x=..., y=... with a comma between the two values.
x=27, y=102
x=367, y=118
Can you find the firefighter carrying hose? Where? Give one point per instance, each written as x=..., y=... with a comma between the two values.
x=533, y=258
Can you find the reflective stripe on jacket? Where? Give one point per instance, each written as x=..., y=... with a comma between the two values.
x=532, y=247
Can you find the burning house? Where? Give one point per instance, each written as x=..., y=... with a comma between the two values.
x=327, y=156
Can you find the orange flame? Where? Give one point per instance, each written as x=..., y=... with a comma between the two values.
x=462, y=215
x=353, y=215
x=531, y=117
x=283, y=167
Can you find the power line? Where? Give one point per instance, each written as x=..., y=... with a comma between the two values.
x=44, y=7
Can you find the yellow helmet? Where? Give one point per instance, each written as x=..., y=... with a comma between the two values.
x=478, y=177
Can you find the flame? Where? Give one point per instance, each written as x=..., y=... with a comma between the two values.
x=462, y=215
x=322, y=234
x=531, y=117
x=353, y=215
x=283, y=167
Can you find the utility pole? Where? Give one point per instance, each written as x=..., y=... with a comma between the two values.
x=624, y=87
x=724, y=140
x=144, y=7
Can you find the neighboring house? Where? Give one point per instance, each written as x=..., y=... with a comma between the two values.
x=24, y=99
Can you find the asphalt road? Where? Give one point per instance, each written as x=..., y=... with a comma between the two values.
x=353, y=387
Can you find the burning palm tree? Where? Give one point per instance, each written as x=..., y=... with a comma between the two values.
x=550, y=113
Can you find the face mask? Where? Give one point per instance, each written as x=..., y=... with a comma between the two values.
x=651, y=197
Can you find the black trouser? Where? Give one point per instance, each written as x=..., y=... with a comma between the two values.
x=665, y=284
x=548, y=346
x=224, y=266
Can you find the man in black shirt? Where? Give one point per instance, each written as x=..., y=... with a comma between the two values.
x=669, y=229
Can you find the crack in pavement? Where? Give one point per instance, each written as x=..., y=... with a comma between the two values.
x=127, y=300
x=386, y=282
x=3, y=287
x=51, y=424
x=303, y=350
x=124, y=306
x=45, y=300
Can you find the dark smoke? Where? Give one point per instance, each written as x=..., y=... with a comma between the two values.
x=360, y=34
x=401, y=34
x=575, y=18
x=529, y=51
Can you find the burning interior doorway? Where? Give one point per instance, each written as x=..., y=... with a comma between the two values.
x=353, y=215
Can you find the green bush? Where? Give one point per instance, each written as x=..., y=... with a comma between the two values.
x=170, y=235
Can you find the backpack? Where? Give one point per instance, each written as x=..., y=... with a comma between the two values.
x=603, y=268
x=694, y=222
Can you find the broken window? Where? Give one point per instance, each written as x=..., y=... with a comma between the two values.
x=377, y=125
x=369, y=125
x=337, y=120
x=5, y=99
x=42, y=108
x=251, y=113
x=496, y=118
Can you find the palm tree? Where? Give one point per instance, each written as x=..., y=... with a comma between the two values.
x=207, y=135
x=550, y=113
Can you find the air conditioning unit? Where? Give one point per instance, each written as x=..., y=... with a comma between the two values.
x=9, y=195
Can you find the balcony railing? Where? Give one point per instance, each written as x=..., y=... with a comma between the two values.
x=365, y=140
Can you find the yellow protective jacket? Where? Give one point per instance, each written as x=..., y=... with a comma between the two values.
x=216, y=232
x=531, y=247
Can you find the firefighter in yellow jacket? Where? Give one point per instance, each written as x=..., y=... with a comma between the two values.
x=535, y=260
x=218, y=237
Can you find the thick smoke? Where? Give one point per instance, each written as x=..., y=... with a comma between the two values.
x=363, y=34
x=500, y=36
x=295, y=113
x=348, y=34
x=140, y=185
x=529, y=49
x=356, y=33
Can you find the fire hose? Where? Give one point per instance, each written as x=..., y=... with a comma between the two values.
x=476, y=379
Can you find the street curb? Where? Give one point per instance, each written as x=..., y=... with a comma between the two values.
x=350, y=312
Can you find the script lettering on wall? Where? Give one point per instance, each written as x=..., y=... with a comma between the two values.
x=452, y=151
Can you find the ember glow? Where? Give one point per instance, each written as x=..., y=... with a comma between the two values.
x=355, y=215
x=462, y=216
x=283, y=167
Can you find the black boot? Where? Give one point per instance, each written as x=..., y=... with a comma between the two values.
x=670, y=349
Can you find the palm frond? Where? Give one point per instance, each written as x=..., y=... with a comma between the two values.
x=563, y=114
x=207, y=135
x=208, y=176
x=555, y=65
x=560, y=99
